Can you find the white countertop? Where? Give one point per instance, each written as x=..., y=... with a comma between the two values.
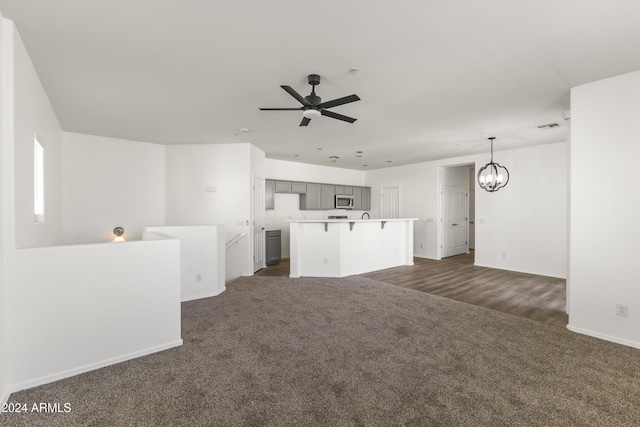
x=353, y=220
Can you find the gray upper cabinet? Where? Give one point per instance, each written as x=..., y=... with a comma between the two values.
x=357, y=198
x=343, y=189
x=312, y=199
x=269, y=189
x=283, y=186
x=362, y=198
x=328, y=196
x=316, y=196
x=299, y=187
x=366, y=198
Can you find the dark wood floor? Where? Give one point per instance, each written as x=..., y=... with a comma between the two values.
x=535, y=297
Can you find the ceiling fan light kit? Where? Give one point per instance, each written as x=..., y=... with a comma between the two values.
x=311, y=113
x=312, y=105
x=492, y=176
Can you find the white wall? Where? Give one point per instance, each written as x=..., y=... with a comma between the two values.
x=33, y=114
x=258, y=162
x=457, y=175
x=418, y=185
x=294, y=171
x=88, y=306
x=66, y=309
x=225, y=167
x=192, y=168
x=202, y=260
x=526, y=220
x=111, y=182
x=605, y=148
x=5, y=231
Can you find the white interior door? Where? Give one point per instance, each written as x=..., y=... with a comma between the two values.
x=390, y=202
x=455, y=220
x=258, y=224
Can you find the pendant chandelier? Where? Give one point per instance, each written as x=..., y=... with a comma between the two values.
x=492, y=176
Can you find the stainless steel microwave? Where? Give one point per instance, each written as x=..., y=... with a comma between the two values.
x=344, y=201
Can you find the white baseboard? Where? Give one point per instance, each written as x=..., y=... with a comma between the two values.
x=5, y=397
x=90, y=367
x=604, y=336
x=207, y=295
x=537, y=273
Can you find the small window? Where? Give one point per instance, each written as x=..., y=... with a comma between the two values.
x=38, y=179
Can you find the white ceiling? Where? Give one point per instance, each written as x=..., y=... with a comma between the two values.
x=436, y=77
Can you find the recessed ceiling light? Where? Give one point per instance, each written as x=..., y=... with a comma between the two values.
x=319, y=148
x=296, y=155
x=358, y=155
x=365, y=165
x=334, y=157
x=353, y=71
x=388, y=161
x=359, y=152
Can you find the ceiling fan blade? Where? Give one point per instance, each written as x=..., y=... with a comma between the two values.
x=337, y=116
x=305, y=121
x=281, y=109
x=296, y=95
x=339, y=101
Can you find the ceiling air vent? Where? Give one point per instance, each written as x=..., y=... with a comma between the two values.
x=548, y=126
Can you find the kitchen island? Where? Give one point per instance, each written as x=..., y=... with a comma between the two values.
x=343, y=247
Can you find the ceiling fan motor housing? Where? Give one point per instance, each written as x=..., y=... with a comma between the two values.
x=313, y=99
x=314, y=79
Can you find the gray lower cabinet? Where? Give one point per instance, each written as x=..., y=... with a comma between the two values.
x=312, y=199
x=273, y=247
x=328, y=197
x=269, y=189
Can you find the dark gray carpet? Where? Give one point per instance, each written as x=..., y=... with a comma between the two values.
x=353, y=352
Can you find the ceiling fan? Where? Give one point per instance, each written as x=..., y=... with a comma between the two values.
x=312, y=105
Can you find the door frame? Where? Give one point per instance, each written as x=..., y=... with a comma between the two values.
x=465, y=188
x=440, y=181
x=257, y=252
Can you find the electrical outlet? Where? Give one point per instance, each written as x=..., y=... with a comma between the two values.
x=504, y=255
x=198, y=277
x=325, y=261
x=622, y=310
x=421, y=245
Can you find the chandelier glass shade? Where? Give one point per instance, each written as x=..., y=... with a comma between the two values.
x=492, y=176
